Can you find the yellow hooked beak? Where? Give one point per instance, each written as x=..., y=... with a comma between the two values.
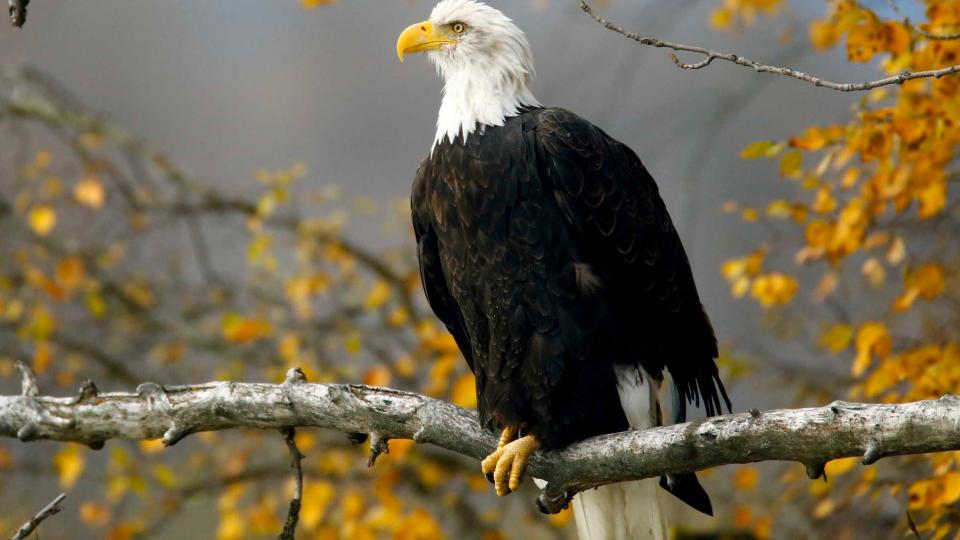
x=421, y=37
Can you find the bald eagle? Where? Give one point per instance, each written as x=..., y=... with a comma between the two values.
x=547, y=252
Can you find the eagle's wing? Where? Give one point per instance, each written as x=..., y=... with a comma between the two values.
x=614, y=208
x=431, y=272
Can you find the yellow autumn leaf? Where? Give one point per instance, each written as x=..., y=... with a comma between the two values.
x=791, y=164
x=873, y=340
x=152, y=446
x=42, y=357
x=841, y=466
x=721, y=18
x=353, y=343
x=742, y=517
x=774, y=289
x=813, y=138
x=837, y=337
x=69, y=464
x=42, y=219
x=71, y=272
x=165, y=476
x=398, y=317
x=242, y=330
x=897, y=251
x=377, y=376
x=823, y=34
x=320, y=494
x=379, y=295
x=756, y=150
x=464, y=391
x=824, y=508
x=95, y=514
x=874, y=271
x=232, y=526
x=431, y=474
x=310, y=4
x=746, y=478
x=927, y=282
x=90, y=193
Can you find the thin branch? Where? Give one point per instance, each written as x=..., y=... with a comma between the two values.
x=711, y=55
x=48, y=510
x=294, y=376
x=808, y=436
x=296, y=459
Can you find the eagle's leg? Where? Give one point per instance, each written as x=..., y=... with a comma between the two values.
x=509, y=461
x=508, y=436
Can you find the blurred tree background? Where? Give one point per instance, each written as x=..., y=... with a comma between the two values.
x=196, y=191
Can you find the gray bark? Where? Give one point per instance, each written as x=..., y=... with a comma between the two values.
x=809, y=436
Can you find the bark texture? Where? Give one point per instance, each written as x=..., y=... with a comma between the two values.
x=810, y=436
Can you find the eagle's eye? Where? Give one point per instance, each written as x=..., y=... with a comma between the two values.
x=458, y=28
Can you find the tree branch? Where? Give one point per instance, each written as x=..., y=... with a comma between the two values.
x=809, y=436
x=48, y=510
x=294, y=376
x=710, y=56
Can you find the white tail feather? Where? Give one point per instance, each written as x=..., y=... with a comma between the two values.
x=624, y=511
x=628, y=510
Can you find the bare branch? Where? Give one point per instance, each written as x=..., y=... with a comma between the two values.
x=48, y=510
x=808, y=436
x=759, y=67
x=296, y=459
x=294, y=376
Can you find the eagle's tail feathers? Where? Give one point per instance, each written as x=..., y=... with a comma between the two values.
x=624, y=511
x=687, y=488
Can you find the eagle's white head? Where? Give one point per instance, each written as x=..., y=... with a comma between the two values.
x=484, y=59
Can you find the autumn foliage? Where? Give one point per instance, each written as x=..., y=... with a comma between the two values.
x=871, y=215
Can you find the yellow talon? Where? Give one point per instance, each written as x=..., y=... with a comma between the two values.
x=509, y=461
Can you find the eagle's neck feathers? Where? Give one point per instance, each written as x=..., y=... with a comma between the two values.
x=487, y=79
x=472, y=101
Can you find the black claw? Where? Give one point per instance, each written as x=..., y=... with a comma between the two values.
x=490, y=479
x=541, y=507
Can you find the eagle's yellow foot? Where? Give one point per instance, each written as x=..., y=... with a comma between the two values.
x=508, y=463
x=508, y=436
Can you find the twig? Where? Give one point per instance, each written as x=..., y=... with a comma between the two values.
x=18, y=12
x=294, y=377
x=912, y=526
x=48, y=510
x=28, y=381
x=296, y=457
x=808, y=436
x=711, y=55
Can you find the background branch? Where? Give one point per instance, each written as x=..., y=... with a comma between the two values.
x=710, y=56
x=809, y=436
x=48, y=510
